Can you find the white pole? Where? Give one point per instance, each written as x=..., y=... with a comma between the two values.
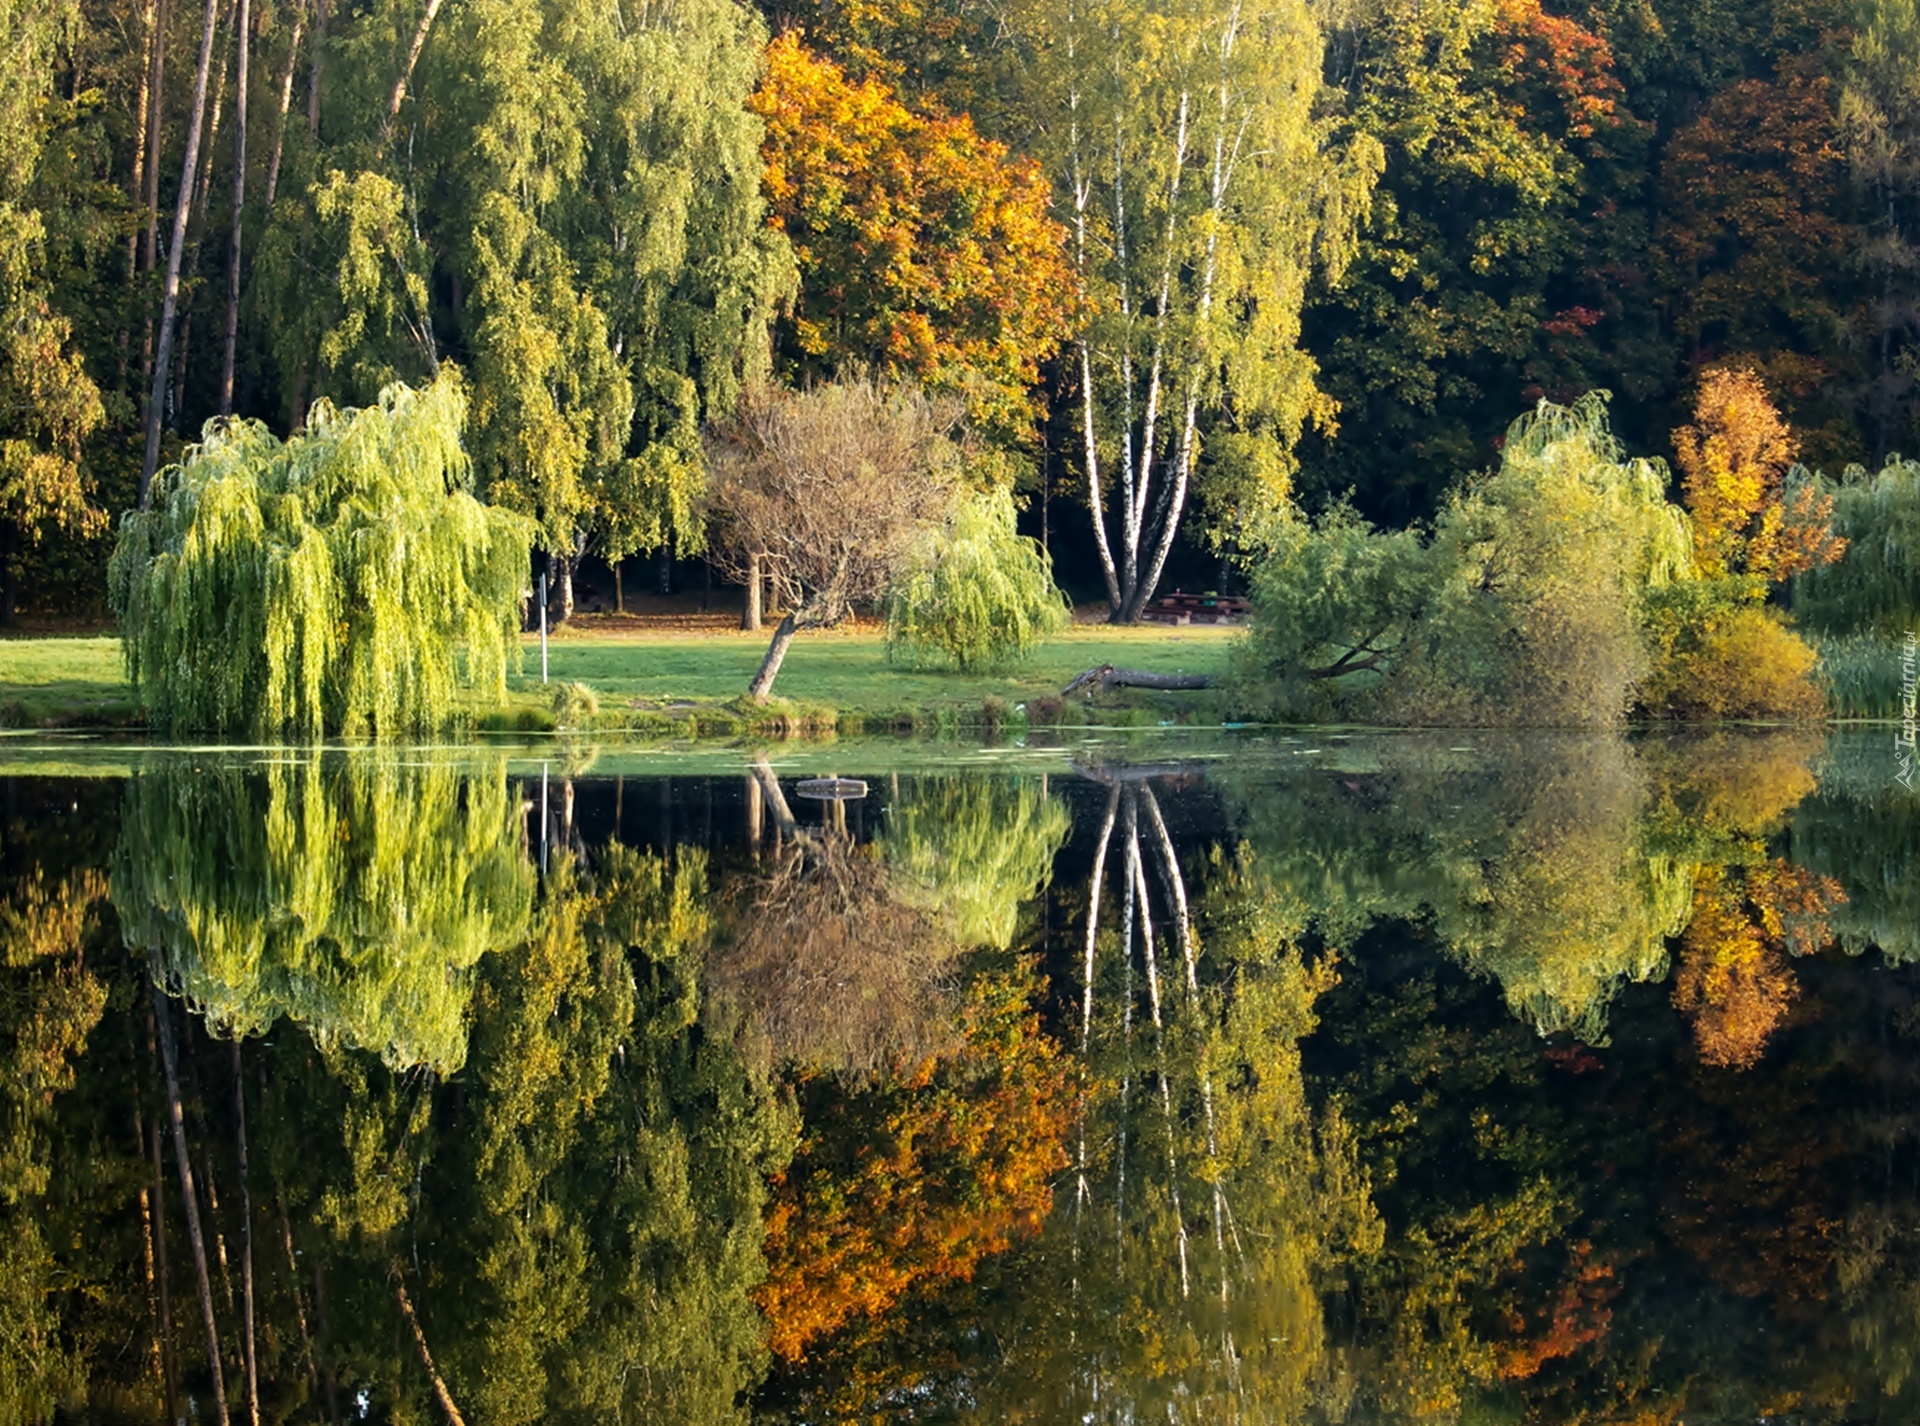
x=543, y=628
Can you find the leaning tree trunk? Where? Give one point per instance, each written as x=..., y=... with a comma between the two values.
x=399, y=95
x=242, y=24
x=170, y=293
x=440, y=1392
x=168, y=1063
x=286, y=105
x=776, y=655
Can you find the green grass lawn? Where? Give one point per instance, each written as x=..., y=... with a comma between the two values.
x=64, y=682
x=78, y=681
x=850, y=672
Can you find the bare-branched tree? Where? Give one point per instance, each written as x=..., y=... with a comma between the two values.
x=829, y=493
x=826, y=961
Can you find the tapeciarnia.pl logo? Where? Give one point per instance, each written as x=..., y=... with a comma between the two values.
x=1903, y=741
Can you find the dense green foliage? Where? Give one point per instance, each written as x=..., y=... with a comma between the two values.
x=1522, y=607
x=981, y=596
x=1876, y=587
x=342, y=581
x=569, y=202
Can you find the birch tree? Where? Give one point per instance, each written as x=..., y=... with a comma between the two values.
x=1205, y=189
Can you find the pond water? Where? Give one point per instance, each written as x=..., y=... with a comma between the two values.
x=1344, y=1077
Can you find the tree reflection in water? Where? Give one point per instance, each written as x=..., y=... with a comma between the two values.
x=1567, y=1080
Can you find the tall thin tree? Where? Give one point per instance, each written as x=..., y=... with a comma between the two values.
x=169, y=1062
x=170, y=294
x=155, y=90
x=242, y=28
x=286, y=105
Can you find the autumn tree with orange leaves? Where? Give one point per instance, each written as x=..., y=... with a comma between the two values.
x=925, y=250
x=1758, y=520
x=1734, y=979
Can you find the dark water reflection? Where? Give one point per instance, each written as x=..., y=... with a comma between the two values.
x=1554, y=1079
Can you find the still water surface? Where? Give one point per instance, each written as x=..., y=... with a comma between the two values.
x=1345, y=1078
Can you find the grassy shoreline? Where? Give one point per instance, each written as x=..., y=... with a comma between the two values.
x=687, y=683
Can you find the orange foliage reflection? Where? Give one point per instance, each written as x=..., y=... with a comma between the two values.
x=949, y=1166
x=1580, y=1316
x=1734, y=978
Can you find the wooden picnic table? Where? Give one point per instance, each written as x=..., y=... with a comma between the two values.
x=1182, y=608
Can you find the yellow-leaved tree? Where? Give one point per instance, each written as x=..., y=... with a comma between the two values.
x=1758, y=520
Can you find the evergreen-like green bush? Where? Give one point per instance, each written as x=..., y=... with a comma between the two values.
x=342, y=581
x=982, y=597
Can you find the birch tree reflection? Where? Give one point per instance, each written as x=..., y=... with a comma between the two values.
x=1208, y=1199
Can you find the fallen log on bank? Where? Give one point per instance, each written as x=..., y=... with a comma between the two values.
x=1107, y=676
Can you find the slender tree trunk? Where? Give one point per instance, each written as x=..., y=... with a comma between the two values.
x=313, y=74
x=751, y=619
x=756, y=815
x=325, y=1339
x=565, y=565
x=170, y=293
x=163, y=1020
x=299, y=1298
x=137, y=184
x=219, y=1237
x=770, y=666
x=619, y=589
x=168, y=1366
x=666, y=570
x=150, y=249
x=246, y=1221
x=156, y=1361
x=182, y=345
x=216, y=108
x=783, y=819
x=440, y=1392
x=413, y=57
x=243, y=32
x=286, y=106
x=1095, y=890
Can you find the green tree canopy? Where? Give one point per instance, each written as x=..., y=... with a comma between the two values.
x=341, y=581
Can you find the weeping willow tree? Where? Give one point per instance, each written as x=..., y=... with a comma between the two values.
x=342, y=581
x=1875, y=587
x=980, y=596
x=1524, y=607
x=352, y=894
x=975, y=849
